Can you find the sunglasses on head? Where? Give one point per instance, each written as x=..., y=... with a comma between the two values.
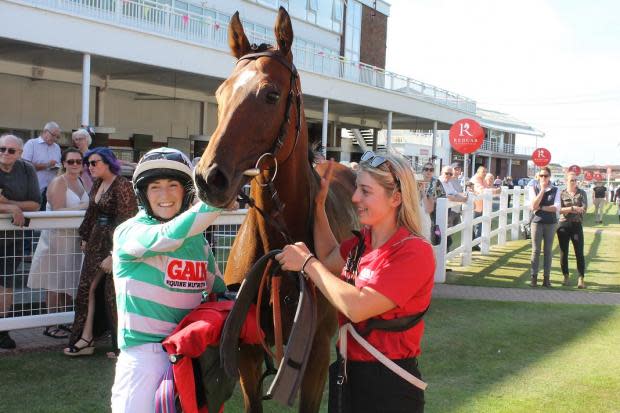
x=73, y=161
x=11, y=151
x=376, y=161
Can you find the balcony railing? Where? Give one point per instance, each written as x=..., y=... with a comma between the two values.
x=149, y=16
x=488, y=145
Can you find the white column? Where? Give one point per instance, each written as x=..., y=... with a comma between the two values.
x=509, y=167
x=389, y=132
x=473, y=164
x=324, y=129
x=85, y=88
x=442, y=248
x=489, y=164
x=434, y=138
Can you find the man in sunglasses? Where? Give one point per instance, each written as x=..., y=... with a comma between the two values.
x=447, y=181
x=19, y=192
x=44, y=154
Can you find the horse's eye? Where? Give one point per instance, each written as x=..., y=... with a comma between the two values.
x=272, y=97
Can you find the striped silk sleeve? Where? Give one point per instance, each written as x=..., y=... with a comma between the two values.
x=141, y=240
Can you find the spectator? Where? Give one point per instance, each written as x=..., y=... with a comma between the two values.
x=44, y=154
x=432, y=190
x=617, y=195
x=57, y=260
x=112, y=201
x=19, y=192
x=488, y=179
x=545, y=203
x=447, y=182
x=618, y=203
x=391, y=280
x=82, y=140
x=498, y=182
x=163, y=177
x=480, y=182
x=600, y=195
x=574, y=204
x=510, y=184
x=458, y=177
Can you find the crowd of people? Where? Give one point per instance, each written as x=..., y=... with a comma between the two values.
x=114, y=270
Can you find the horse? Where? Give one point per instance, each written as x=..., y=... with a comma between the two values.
x=261, y=122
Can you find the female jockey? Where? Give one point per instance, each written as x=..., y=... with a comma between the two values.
x=162, y=266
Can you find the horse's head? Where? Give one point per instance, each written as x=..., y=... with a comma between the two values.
x=252, y=107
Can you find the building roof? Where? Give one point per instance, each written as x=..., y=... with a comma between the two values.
x=504, y=122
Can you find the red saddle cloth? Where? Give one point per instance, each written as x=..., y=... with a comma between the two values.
x=198, y=330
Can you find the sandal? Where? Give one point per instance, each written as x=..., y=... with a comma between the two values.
x=56, y=332
x=74, y=350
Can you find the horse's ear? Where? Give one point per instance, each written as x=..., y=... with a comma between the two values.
x=237, y=40
x=283, y=31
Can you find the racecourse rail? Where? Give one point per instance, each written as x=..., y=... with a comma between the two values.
x=29, y=308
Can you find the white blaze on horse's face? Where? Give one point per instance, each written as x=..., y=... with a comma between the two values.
x=243, y=78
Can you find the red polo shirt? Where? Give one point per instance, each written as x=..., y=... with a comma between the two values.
x=403, y=270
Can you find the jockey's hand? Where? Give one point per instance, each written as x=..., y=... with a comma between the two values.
x=321, y=196
x=293, y=256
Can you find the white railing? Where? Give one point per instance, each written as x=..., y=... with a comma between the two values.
x=160, y=19
x=499, y=147
x=30, y=307
x=520, y=215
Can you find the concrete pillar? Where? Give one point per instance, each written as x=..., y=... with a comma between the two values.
x=389, y=132
x=324, y=129
x=509, y=167
x=433, y=152
x=85, y=88
x=489, y=159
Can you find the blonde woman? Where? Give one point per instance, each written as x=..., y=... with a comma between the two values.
x=388, y=275
x=574, y=204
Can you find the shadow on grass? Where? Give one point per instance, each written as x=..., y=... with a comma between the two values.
x=474, y=347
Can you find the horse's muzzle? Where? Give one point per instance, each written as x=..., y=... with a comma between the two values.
x=213, y=186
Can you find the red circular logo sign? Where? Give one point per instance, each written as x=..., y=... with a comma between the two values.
x=466, y=136
x=574, y=168
x=598, y=176
x=588, y=176
x=541, y=157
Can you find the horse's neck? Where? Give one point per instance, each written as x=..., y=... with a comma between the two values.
x=296, y=189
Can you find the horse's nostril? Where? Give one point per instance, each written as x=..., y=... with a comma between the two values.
x=216, y=178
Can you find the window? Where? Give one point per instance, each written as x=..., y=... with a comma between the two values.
x=337, y=10
x=313, y=5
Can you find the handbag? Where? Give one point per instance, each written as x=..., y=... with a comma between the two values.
x=436, y=235
x=526, y=229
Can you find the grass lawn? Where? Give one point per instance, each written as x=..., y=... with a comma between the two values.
x=509, y=265
x=479, y=356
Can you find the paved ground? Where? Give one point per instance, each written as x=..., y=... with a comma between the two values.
x=33, y=339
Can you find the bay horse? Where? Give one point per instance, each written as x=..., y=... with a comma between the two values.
x=261, y=120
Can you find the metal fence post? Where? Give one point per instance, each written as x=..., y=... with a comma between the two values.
x=441, y=215
x=487, y=208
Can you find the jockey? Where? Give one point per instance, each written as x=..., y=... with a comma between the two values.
x=162, y=265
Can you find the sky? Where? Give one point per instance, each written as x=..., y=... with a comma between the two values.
x=554, y=64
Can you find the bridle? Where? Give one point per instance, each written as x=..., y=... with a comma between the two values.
x=293, y=94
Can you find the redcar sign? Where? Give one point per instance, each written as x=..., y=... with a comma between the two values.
x=541, y=157
x=588, y=176
x=466, y=136
x=574, y=168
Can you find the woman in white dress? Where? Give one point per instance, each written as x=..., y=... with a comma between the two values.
x=57, y=260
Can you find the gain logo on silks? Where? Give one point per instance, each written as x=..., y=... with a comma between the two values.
x=186, y=274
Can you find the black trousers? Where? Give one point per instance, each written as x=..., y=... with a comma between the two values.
x=571, y=232
x=376, y=389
